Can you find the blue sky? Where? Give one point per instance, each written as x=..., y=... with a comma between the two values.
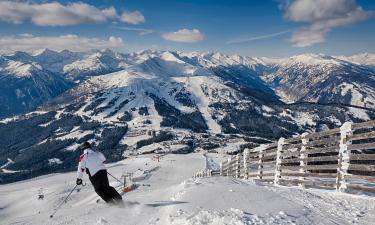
x=246, y=27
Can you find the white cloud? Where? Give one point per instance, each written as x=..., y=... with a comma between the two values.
x=141, y=31
x=132, y=17
x=305, y=37
x=54, y=13
x=323, y=16
x=28, y=42
x=266, y=36
x=184, y=35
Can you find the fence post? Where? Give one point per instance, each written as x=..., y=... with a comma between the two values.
x=233, y=167
x=245, y=168
x=344, y=156
x=221, y=169
x=260, y=162
x=303, y=156
x=280, y=144
x=238, y=159
x=229, y=167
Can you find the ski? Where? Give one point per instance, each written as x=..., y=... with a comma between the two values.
x=122, y=191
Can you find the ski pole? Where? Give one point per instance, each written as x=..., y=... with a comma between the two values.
x=58, y=207
x=115, y=178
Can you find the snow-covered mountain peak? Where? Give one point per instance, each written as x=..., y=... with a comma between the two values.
x=19, y=56
x=361, y=59
x=20, y=69
x=67, y=52
x=145, y=52
x=104, y=53
x=210, y=59
x=321, y=78
x=312, y=59
x=44, y=52
x=218, y=55
x=165, y=64
x=94, y=63
x=143, y=55
x=171, y=57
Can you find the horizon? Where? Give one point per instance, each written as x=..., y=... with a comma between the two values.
x=36, y=52
x=271, y=28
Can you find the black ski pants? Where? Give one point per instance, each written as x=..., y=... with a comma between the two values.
x=102, y=188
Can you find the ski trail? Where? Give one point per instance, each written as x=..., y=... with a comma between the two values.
x=171, y=192
x=202, y=102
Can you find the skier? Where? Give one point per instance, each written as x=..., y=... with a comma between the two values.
x=40, y=194
x=93, y=163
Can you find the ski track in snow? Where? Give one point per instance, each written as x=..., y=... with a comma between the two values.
x=167, y=195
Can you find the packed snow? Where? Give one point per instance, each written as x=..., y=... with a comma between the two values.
x=168, y=195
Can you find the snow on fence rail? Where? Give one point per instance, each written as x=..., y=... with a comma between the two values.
x=341, y=159
x=204, y=173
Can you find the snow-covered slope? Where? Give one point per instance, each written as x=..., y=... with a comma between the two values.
x=26, y=84
x=307, y=77
x=322, y=79
x=163, y=100
x=167, y=195
x=78, y=65
x=179, y=95
x=55, y=61
x=32, y=79
x=367, y=59
x=96, y=63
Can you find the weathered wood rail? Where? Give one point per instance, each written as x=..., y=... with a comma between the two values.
x=341, y=159
x=204, y=173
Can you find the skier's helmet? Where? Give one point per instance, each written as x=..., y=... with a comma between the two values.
x=84, y=145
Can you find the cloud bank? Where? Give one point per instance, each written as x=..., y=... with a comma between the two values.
x=57, y=14
x=28, y=43
x=184, y=35
x=53, y=14
x=322, y=16
x=132, y=17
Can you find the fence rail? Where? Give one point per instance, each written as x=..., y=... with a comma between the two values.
x=341, y=159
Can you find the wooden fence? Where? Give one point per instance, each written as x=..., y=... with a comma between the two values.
x=204, y=173
x=341, y=159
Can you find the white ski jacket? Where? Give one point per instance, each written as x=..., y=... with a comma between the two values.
x=91, y=160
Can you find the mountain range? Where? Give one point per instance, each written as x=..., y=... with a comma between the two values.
x=168, y=101
x=32, y=79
